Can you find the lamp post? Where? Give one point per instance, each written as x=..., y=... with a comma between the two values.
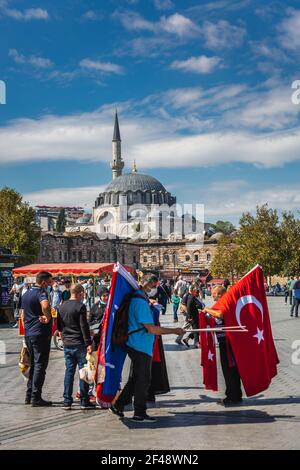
x=174, y=262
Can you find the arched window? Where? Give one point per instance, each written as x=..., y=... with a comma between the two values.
x=208, y=257
x=196, y=257
x=187, y=257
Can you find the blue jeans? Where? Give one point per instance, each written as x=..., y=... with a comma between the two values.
x=74, y=356
x=175, y=310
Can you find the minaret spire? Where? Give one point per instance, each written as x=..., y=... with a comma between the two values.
x=117, y=163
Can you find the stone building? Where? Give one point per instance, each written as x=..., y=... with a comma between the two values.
x=80, y=247
x=175, y=257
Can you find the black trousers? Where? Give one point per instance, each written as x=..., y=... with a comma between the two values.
x=138, y=382
x=195, y=325
x=39, y=351
x=231, y=374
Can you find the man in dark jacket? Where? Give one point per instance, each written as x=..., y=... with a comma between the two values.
x=38, y=323
x=75, y=332
x=96, y=315
x=163, y=296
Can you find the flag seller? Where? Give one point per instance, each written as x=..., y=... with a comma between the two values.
x=230, y=371
x=141, y=335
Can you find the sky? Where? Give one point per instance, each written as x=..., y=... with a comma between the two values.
x=203, y=91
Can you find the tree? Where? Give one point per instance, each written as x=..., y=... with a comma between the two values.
x=290, y=233
x=18, y=229
x=61, y=221
x=224, y=227
x=260, y=241
x=226, y=262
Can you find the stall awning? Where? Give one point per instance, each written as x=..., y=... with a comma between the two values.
x=75, y=269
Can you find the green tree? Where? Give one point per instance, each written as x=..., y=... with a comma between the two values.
x=224, y=227
x=226, y=262
x=18, y=229
x=290, y=233
x=61, y=221
x=260, y=241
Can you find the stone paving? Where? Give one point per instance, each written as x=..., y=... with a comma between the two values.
x=188, y=417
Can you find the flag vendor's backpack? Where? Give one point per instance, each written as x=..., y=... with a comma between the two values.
x=120, y=332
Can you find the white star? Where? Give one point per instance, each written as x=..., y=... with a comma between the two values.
x=259, y=335
x=210, y=356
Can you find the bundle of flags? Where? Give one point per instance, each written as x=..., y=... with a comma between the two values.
x=111, y=357
x=244, y=305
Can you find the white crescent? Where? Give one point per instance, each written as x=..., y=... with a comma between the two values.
x=245, y=300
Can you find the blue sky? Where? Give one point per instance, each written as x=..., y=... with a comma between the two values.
x=203, y=91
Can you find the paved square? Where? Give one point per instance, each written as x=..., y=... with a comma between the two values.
x=188, y=417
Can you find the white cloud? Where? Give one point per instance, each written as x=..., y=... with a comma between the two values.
x=222, y=34
x=290, y=30
x=35, y=61
x=134, y=21
x=270, y=109
x=188, y=127
x=201, y=64
x=104, y=67
x=25, y=15
x=82, y=196
x=278, y=197
x=176, y=24
x=92, y=15
x=227, y=186
x=163, y=4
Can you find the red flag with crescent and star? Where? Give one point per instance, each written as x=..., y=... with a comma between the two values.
x=208, y=353
x=245, y=304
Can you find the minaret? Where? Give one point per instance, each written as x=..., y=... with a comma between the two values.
x=117, y=163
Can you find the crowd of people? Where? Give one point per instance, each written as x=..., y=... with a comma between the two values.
x=78, y=312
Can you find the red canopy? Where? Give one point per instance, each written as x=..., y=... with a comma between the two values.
x=75, y=269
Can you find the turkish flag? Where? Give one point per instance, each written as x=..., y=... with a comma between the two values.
x=208, y=353
x=245, y=304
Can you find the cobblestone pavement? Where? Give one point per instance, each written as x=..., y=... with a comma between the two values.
x=188, y=417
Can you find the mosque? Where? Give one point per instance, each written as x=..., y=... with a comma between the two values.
x=137, y=206
x=138, y=222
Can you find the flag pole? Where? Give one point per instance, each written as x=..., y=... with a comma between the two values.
x=211, y=330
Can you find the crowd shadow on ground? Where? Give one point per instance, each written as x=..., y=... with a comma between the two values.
x=203, y=418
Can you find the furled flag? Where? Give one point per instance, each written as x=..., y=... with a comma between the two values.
x=111, y=357
x=208, y=353
x=245, y=304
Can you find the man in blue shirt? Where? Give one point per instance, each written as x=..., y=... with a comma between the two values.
x=140, y=347
x=38, y=326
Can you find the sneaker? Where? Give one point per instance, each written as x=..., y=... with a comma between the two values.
x=291, y=315
x=175, y=320
x=88, y=406
x=114, y=410
x=41, y=402
x=27, y=401
x=143, y=419
x=67, y=407
x=185, y=341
